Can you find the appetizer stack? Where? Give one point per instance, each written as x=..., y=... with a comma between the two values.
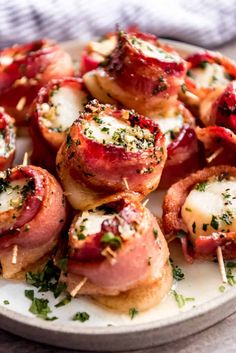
x=137, y=116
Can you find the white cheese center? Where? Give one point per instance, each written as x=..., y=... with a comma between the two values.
x=91, y=222
x=152, y=51
x=11, y=197
x=106, y=129
x=210, y=207
x=213, y=75
x=64, y=108
x=170, y=126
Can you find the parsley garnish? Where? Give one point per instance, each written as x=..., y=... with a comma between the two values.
x=133, y=312
x=214, y=222
x=181, y=233
x=64, y=301
x=201, y=186
x=194, y=227
x=177, y=272
x=180, y=299
x=183, y=88
x=111, y=239
x=6, y=302
x=155, y=233
x=81, y=316
x=39, y=306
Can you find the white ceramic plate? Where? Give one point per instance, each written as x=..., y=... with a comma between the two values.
x=107, y=330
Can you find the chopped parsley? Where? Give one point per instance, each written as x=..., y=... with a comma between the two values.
x=204, y=227
x=177, y=271
x=39, y=306
x=201, y=186
x=111, y=239
x=155, y=233
x=6, y=302
x=183, y=88
x=227, y=218
x=229, y=266
x=214, y=222
x=222, y=288
x=194, y=227
x=133, y=312
x=181, y=233
x=64, y=301
x=68, y=141
x=203, y=64
x=81, y=316
x=180, y=299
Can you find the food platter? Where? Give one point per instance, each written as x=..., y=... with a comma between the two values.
x=107, y=330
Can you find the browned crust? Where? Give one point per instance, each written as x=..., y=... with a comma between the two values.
x=177, y=193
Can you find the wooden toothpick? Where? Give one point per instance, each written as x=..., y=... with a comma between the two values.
x=145, y=202
x=25, y=159
x=78, y=287
x=221, y=264
x=14, y=254
x=214, y=155
x=126, y=183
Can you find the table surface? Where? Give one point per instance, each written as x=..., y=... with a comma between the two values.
x=218, y=338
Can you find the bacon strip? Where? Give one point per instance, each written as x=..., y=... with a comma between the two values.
x=91, y=170
x=24, y=69
x=36, y=226
x=8, y=141
x=139, y=260
x=173, y=223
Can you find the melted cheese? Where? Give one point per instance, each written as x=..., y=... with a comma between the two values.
x=91, y=222
x=12, y=197
x=65, y=105
x=109, y=130
x=211, y=210
x=170, y=125
x=213, y=75
x=152, y=51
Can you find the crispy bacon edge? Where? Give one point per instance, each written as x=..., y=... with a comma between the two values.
x=86, y=166
x=174, y=226
x=21, y=78
x=108, y=280
x=8, y=131
x=36, y=228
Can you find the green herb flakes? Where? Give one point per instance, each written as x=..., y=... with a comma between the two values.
x=81, y=316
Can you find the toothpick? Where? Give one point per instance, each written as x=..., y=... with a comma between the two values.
x=145, y=202
x=78, y=287
x=221, y=264
x=14, y=254
x=126, y=183
x=21, y=103
x=215, y=154
x=25, y=159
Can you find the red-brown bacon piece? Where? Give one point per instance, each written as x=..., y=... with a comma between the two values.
x=24, y=69
x=219, y=144
x=221, y=69
x=32, y=215
x=140, y=73
x=183, y=155
x=54, y=110
x=7, y=141
x=203, y=246
x=121, y=251
x=108, y=151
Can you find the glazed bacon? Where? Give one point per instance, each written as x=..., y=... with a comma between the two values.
x=54, y=110
x=208, y=198
x=118, y=248
x=178, y=125
x=221, y=110
x=108, y=151
x=140, y=73
x=219, y=145
x=208, y=71
x=7, y=140
x=24, y=69
x=32, y=215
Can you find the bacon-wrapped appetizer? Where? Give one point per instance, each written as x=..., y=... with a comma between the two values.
x=32, y=215
x=24, y=69
x=107, y=151
x=118, y=255
x=208, y=71
x=201, y=209
x=140, y=73
x=219, y=108
x=7, y=140
x=219, y=144
x=54, y=110
x=177, y=123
